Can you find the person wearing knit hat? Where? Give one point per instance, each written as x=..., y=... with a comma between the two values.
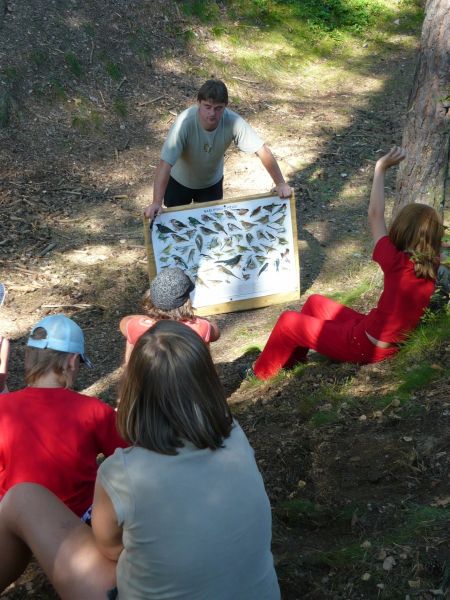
x=167, y=298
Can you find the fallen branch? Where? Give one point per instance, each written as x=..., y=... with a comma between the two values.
x=81, y=305
x=246, y=80
x=152, y=100
x=47, y=249
x=121, y=83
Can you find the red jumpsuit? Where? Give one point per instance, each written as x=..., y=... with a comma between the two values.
x=339, y=332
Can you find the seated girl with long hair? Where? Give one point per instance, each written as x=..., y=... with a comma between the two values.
x=409, y=257
x=182, y=513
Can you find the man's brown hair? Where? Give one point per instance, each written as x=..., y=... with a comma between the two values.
x=418, y=230
x=214, y=90
x=171, y=392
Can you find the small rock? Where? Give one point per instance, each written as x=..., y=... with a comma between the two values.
x=388, y=563
x=366, y=545
x=365, y=577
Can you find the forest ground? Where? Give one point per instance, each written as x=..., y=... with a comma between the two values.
x=355, y=459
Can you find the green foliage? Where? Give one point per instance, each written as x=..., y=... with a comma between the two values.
x=298, y=511
x=120, y=107
x=85, y=118
x=11, y=74
x=273, y=38
x=253, y=349
x=89, y=29
x=57, y=90
x=205, y=10
x=39, y=57
x=87, y=123
x=73, y=64
x=433, y=331
x=350, y=297
x=319, y=15
x=113, y=71
x=5, y=109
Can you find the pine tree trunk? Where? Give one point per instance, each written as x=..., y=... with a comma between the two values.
x=423, y=176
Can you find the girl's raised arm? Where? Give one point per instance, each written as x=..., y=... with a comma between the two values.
x=377, y=221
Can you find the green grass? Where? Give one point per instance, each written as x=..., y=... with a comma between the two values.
x=253, y=349
x=11, y=74
x=205, y=10
x=431, y=333
x=406, y=526
x=86, y=119
x=120, y=107
x=275, y=38
x=5, y=109
x=56, y=90
x=39, y=57
x=350, y=297
x=73, y=64
x=89, y=29
x=113, y=71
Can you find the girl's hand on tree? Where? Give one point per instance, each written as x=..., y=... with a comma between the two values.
x=393, y=157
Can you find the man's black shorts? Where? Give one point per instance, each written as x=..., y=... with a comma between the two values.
x=177, y=194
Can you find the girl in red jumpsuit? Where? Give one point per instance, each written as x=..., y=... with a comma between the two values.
x=408, y=255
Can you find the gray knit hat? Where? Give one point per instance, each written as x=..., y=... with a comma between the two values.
x=170, y=289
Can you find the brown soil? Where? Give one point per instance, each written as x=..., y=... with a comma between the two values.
x=90, y=94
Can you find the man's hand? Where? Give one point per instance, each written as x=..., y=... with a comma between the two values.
x=393, y=157
x=152, y=210
x=283, y=190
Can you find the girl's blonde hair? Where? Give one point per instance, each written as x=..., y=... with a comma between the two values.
x=185, y=312
x=418, y=230
x=40, y=361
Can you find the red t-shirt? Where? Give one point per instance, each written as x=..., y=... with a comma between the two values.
x=139, y=324
x=405, y=296
x=52, y=436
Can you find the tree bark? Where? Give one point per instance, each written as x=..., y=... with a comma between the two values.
x=423, y=175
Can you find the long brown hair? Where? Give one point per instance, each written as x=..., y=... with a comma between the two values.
x=171, y=392
x=40, y=361
x=418, y=230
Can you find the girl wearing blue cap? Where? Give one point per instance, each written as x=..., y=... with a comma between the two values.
x=50, y=434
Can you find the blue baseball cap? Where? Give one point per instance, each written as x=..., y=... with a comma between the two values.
x=63, y=334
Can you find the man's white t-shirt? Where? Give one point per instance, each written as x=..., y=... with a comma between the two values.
x=197, y=155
